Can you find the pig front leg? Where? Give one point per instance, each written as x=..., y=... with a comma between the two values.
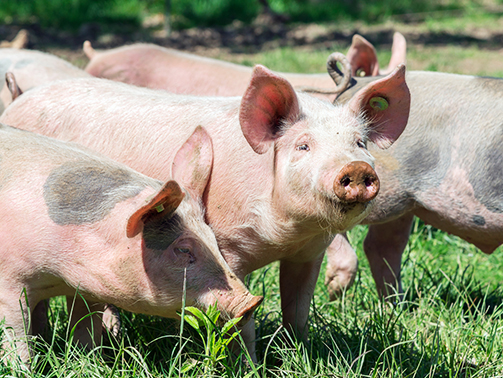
x=384, y=245
x=342, y=265
x=86, y=317
x=17, y=335
x=297, y=283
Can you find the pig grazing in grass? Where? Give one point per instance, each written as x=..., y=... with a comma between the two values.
x=73, y=221
x=290, y=171
x=33, y=68
x=444, y=169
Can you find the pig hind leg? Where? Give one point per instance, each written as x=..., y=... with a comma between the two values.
x=342, y=265
x=384, y=246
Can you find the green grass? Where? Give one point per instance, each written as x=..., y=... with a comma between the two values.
x=448, y=325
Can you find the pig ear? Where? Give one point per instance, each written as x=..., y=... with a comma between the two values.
x=385, y=103
x=166, y=200
x=268, y=101
x=362, y=57
x=398, y=53
x=193, y=162
x=88, y=50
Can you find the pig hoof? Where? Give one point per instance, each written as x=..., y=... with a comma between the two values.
x=337, y=284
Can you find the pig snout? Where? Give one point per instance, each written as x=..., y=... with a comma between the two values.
x=247, y=309
x=237, y=305
x=356, y=182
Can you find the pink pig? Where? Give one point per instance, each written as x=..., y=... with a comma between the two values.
x=76, y=221
x=33, y=68
x=444, y=169
x=300, y=174
x=156, y=67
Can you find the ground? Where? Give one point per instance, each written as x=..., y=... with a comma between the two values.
x=480, y=42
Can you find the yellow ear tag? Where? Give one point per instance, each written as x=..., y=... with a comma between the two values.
x=159, y=208
x=378, y=103
x=360, y=72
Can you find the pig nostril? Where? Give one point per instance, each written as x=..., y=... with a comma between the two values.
x=369, y=181
x=247, y=315
x=345, y=181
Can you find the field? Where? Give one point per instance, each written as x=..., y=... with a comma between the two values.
x=450, y=321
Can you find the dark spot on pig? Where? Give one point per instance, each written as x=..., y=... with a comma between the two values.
x=161, y=231
x=23, y=63
x=479, y=220
x=86, y=191
x=422, y=166
x=486, y=176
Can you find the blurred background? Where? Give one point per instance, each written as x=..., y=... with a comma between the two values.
x=447, y=35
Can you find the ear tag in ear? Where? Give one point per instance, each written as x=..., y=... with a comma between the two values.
x=159, y=208
x=360, y=72
x=378, y=103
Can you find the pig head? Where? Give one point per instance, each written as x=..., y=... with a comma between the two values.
x=110, y=234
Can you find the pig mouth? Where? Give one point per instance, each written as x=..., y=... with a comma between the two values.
x=344, y=215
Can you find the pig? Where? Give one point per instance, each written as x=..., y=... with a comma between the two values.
x=33, y=68
x=444, y=168
x=179, y=72
x=156, y=67
x=77, y=222
x=290, y=171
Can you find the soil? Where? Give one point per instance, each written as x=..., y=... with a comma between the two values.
x=238, y=38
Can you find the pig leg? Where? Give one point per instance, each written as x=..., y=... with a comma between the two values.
x=85, y=316
x=17, y=333
x=342, y=265
x=297, y=283
x=384, y=245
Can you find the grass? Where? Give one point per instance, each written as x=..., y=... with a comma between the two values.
x=448, y=325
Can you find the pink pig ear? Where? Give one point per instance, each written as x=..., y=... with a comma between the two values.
x=362, y=57
x=385, y=103
x=398, y=53
x=166, y=200
x=193, y=162
x=268, y=101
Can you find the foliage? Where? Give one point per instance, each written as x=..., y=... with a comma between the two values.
x=71, y=14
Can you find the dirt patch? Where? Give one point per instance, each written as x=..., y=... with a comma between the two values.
x=249, y=39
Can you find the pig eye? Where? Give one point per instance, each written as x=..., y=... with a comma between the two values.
x=361, y=144
x=183, y=250
x=187, y=252
x=302, y=147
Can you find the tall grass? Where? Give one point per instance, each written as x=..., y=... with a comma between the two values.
x=449, y=324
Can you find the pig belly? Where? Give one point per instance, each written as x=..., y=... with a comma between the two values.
x=454, y=208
